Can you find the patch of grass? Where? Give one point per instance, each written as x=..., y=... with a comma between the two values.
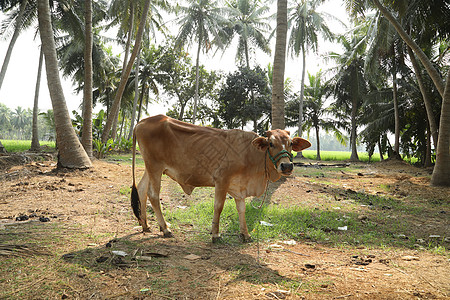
x=387, y=221
x=125, y=159
x=162, y=285
x=23, y=145
x=339, y=155
x=125, y=190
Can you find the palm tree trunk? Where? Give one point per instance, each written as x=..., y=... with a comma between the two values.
x=301, y=99
x=86, y=137
x=427, y=161
x=380, y=150
x=417, y=50
x=441, y=172
x=318, y=143
x=396, y=113
x=426, y=98
x=114, y=114
x=13, y=41
x=2, y=148
x=129, y=35
x=136, y=94
x=125, y=60
x=302, y=94
x=121, y=126
x=35, y=135
x=197, y=66
x=252, y=94
x=70, y=151
x=141, y=99
x=278, y=121
x=354, y=155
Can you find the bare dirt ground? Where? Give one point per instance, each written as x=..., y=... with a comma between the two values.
x=77, y=218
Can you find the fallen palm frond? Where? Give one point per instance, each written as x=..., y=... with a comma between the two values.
x=20, y=250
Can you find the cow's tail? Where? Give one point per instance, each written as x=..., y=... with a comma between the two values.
x=135, y=203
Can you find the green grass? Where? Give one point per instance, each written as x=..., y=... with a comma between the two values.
x=307, y=223
x=339, y=155
x=23, y=145
x=124, y=159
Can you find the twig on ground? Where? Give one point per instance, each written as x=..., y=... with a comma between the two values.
x=218, y=290
x=298, y=253
x=343, y=296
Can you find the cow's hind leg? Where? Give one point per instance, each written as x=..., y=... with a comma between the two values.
x=142, y=192
x=244, y=236
x=219, y=201
x=154, y=187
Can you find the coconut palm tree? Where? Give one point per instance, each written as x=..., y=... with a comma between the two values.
x=349, y=84
x=202, y=22
x=414, y=47
x=278, y=121
x=436, y=19
x=250, y=25
x=80, y=52
x=315, y=111
x=425, y=96
x=248, y=22
x=385, y=56
x=71, y=152
x=306, y=24
x=155, y=23
x=19, y=119
x=124, y=14
x=150, y=20
x=114, y=113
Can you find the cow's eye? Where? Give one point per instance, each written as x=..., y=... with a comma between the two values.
x=271, y=144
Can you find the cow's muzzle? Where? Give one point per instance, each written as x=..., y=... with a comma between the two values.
x=276, y=158
x=286, y=168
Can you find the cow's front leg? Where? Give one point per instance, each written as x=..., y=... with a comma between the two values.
x=219, y=201
x=244, y=236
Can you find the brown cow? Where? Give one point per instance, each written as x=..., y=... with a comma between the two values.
x=233, y=161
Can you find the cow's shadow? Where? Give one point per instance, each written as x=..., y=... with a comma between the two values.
x=185, y=262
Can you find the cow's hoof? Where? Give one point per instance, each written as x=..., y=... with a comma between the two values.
x=168, y=234
x=216, y=239
x=145, y=229
x=245, y=239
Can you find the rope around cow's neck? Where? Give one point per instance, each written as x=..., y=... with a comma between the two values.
x=274, y=159
x=258, y=207
x=267, y=184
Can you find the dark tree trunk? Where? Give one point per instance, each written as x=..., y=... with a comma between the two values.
x=35, y=146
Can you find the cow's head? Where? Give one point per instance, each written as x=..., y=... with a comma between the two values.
x=279, y=145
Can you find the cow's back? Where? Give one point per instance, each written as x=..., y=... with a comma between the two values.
x=192, y=155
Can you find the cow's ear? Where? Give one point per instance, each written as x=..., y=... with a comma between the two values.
x=298, y=144
x=261, y=143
